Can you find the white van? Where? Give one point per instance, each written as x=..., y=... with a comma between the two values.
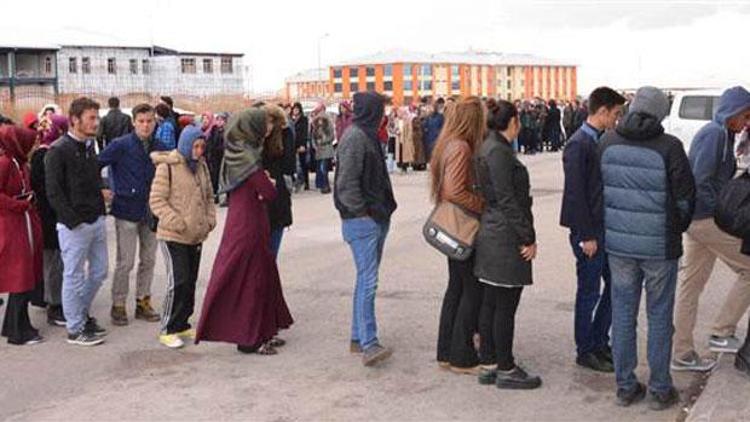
x=690, y=111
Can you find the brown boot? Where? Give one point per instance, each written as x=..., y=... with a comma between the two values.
x=119, y=315
x=144, y=311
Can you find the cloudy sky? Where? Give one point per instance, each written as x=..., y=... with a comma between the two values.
x=619, y=43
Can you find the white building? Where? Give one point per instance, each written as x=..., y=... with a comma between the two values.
x=99, y=70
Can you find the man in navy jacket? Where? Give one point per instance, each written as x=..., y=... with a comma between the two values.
x=131, y=174
x=582, y=213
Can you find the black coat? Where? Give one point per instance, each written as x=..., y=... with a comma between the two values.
x=507, y=223
x=280, y=209
x=47, y=214
x=301, y=128
x=73, y=182
x=215, y=154
x=114, y=125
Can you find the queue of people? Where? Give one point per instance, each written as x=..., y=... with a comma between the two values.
x=633, y=201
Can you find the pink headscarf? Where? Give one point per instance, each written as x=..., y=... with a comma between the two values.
x=208, y=122
x=344, y=120
x=320, y=108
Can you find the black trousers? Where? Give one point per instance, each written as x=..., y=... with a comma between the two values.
x=496, y=326
x=459, y=315
x=183, y=262
x=304, y=165
x=16, y=325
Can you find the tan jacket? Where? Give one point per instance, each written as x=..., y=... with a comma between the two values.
x=458, y=180
x=184, y=205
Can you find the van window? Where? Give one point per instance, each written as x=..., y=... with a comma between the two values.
x=696, y=107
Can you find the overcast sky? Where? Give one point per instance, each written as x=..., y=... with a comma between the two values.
x=619, y=43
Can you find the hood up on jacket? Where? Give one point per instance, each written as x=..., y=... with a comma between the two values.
x=369, y=108
x=732, y=102
x=643, y=121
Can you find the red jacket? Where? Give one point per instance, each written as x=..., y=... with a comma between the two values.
x=383, y=131
x=21, y=241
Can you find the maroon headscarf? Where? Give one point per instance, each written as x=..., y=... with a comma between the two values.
x=58, y=127
x=17, y=142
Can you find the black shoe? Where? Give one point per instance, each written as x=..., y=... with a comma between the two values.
x=487, y=376
x=742, y=361
x=589, y=360
x=55, y=316
x=325, y=191
x=626, y=398
x=517, y=379
x=84, y=339
x=662, y=401
x=92, y=327
x=605, y=355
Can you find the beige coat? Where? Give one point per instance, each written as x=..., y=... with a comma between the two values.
x=184, y=205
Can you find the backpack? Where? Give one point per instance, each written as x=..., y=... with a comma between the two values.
x=732, y=213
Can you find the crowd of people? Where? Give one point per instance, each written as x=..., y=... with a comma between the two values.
x=633, y=201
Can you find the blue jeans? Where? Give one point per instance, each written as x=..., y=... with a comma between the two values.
x=276, y=235
x=629, y=277
x=593, y=314
x=86, y=244
x=321, y=174
x=366, y=238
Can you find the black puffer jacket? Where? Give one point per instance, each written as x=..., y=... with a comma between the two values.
x=507, y=222
x=73, y=182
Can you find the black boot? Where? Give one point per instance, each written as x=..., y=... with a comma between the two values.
x=742, y=361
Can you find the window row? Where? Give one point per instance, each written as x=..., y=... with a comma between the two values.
x=111, y=66
x=188, y=65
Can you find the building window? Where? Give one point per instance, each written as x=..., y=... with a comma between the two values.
x=371, y=86
x=426, y=70
x=337, y=72
x=187, y=65
x=111, y=66
x=509, y=73
x=388, y=70
x=208, y=66
x=426, y=86
x=388, y=86
x=86, y=65
x=226, y=65
x=353, y=73
x=407, y=71
x=337, y=87
x=133, y=66
x=353, y=87
x=370, y=71
x=455, y=84
x=146, y=67
x=454, y=70
x=510, y=85
x=73, y=65
x=48, y=65
x=408, y=85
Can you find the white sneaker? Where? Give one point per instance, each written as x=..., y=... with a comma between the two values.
x=173, y=341
x=692, y=362
x=729, y=344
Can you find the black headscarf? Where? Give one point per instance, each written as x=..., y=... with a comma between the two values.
x=369, y=108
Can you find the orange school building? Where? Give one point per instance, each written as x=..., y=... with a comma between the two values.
x=406, y=77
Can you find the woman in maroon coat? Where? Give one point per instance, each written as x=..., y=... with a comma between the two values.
x=244, y=303
x=20, y=234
